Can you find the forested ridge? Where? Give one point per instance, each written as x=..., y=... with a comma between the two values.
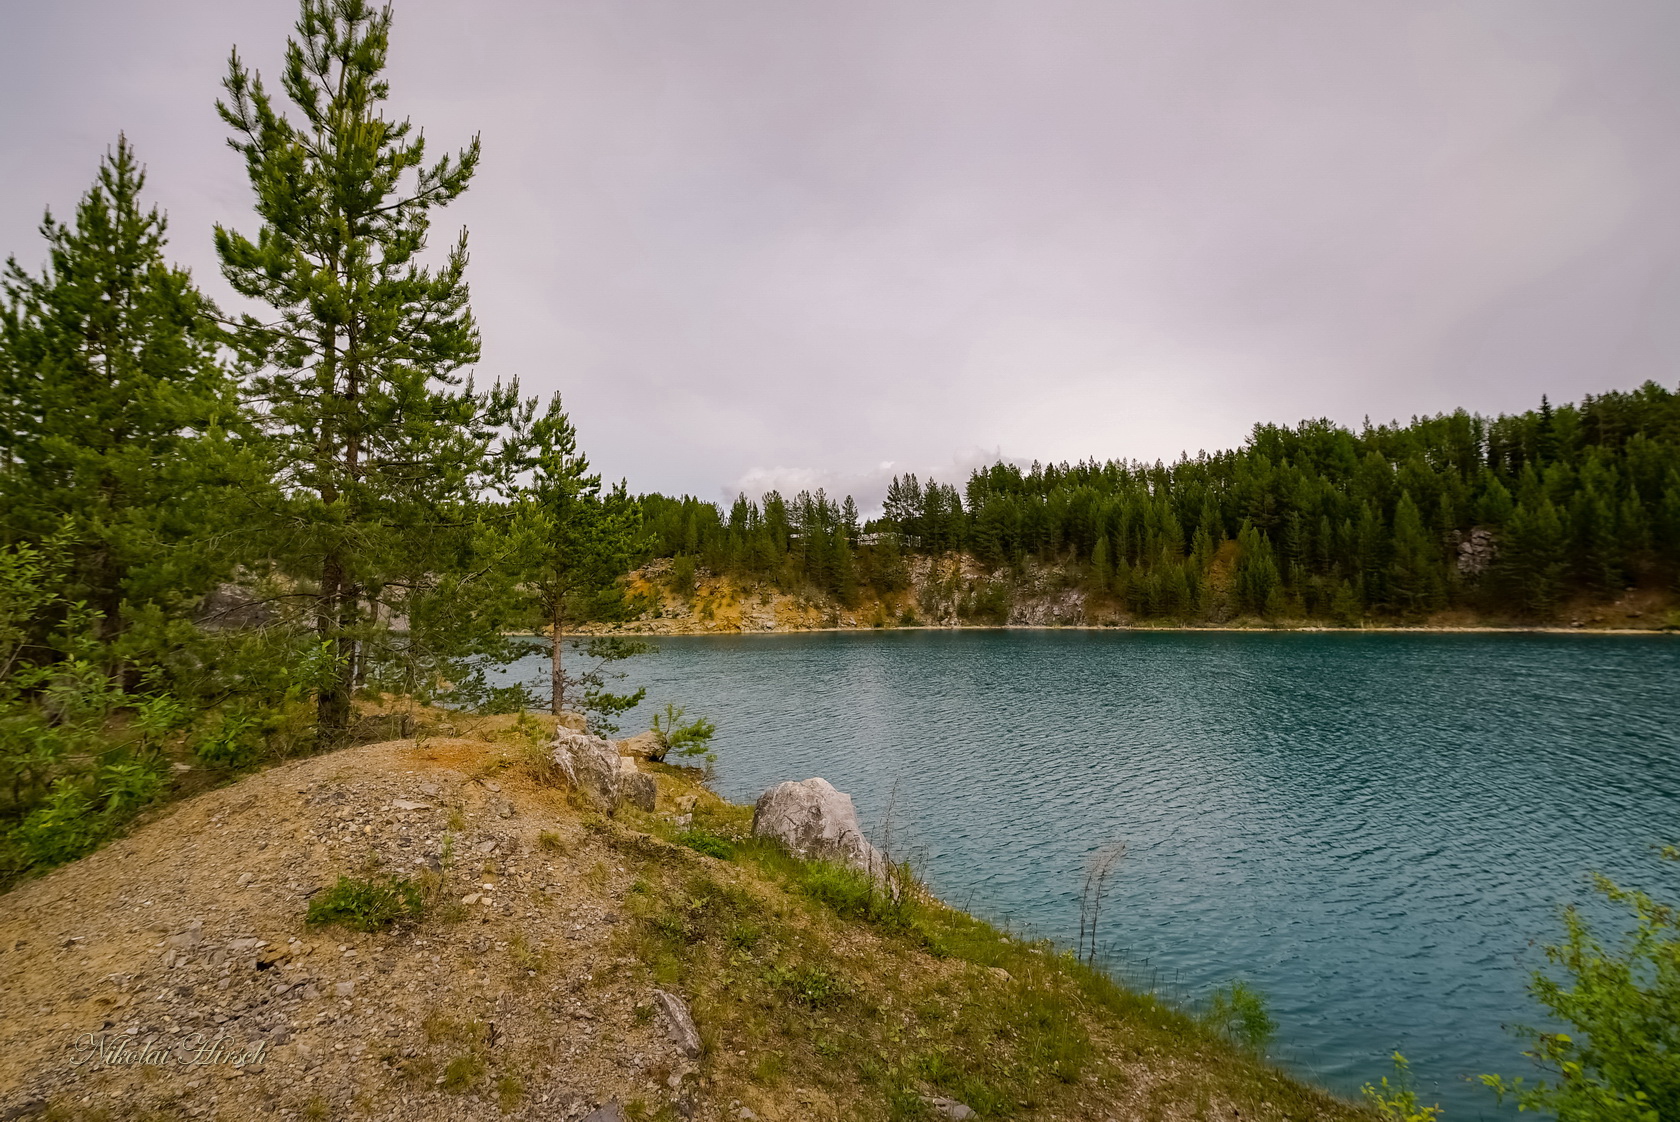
x=1512, y=516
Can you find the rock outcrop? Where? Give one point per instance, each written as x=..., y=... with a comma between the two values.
x=606, y=779
x=813, y=819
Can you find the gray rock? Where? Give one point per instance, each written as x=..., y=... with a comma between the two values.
x=636, y=787
x=951, y=1108
x=594, y=767
x=576, y=722
x=231, y=608
x=590, y=765
x=679, y=1024
x=812, y=819
x=612, y=1112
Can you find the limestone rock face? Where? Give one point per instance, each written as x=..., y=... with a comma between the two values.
x=231, y=608
x=812, y=819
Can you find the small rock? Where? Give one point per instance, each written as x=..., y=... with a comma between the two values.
x=612, y=1112
x=679, y=1023
x=246, y=878
x=644, y=745
x=345, y=989
x=488, y=845
x=410, y=804
x=952, y=1109
x=470, y=898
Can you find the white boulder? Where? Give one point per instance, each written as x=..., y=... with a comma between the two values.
x=813, y=819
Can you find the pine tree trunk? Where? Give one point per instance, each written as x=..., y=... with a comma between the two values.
x=557, y=696
x=332, y=704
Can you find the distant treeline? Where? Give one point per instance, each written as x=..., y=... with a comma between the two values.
x=1508, y=515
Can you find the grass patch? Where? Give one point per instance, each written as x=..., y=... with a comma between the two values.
x=367, y=904
x=704, y=841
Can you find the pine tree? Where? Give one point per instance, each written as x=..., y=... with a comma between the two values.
x=572, y=540
x=117, y=413
x=357, y=374
x=1415, y=573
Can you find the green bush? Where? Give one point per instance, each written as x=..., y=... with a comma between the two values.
x=235, y=741
x=688, y=740
x=81, y=812
x=1622, y=1061
x=1397, y=1101
x=364, y=904
x=1239, y=1013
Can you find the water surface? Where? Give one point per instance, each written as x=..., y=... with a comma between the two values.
x=1372, y=829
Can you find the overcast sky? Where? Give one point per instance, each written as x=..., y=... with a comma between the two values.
x=811, y=243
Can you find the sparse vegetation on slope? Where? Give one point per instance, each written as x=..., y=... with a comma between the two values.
x=528, y=987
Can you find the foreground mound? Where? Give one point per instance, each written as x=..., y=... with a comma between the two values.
x=526, y=958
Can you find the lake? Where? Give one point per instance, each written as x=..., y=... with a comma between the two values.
x=1374, y=830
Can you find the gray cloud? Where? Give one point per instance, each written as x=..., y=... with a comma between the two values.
x=759, y=243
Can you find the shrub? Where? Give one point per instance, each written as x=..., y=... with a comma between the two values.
x=1397, y=1102
x=1623, y=1060
x=366, y=904
x=1239, y=1013
x=81, y=812
x=235, y=741
x=688, y=740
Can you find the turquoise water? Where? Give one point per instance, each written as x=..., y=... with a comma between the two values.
x=1372, y=829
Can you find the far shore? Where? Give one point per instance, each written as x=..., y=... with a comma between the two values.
x=597, y=630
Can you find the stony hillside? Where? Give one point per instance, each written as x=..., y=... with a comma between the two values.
x=545, y=959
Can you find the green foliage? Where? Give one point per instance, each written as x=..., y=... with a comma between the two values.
x=80, y=812
x=689, y=739
x=1621, y=1062
x=814, y=987
x=566, y=544
x=1397, y=1101
x=704, y=841
x=1238, y=1012
x=385, y=454
x=234, y=740
x=367, y=904
x=1325, y=522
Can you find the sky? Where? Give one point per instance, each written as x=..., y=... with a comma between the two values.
x=761, y=244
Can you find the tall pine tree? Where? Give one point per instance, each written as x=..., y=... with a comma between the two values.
x=357, y=373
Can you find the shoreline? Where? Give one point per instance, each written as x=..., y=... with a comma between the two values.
x=597, y=631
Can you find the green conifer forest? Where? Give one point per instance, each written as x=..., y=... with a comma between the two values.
x=1512, y=517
